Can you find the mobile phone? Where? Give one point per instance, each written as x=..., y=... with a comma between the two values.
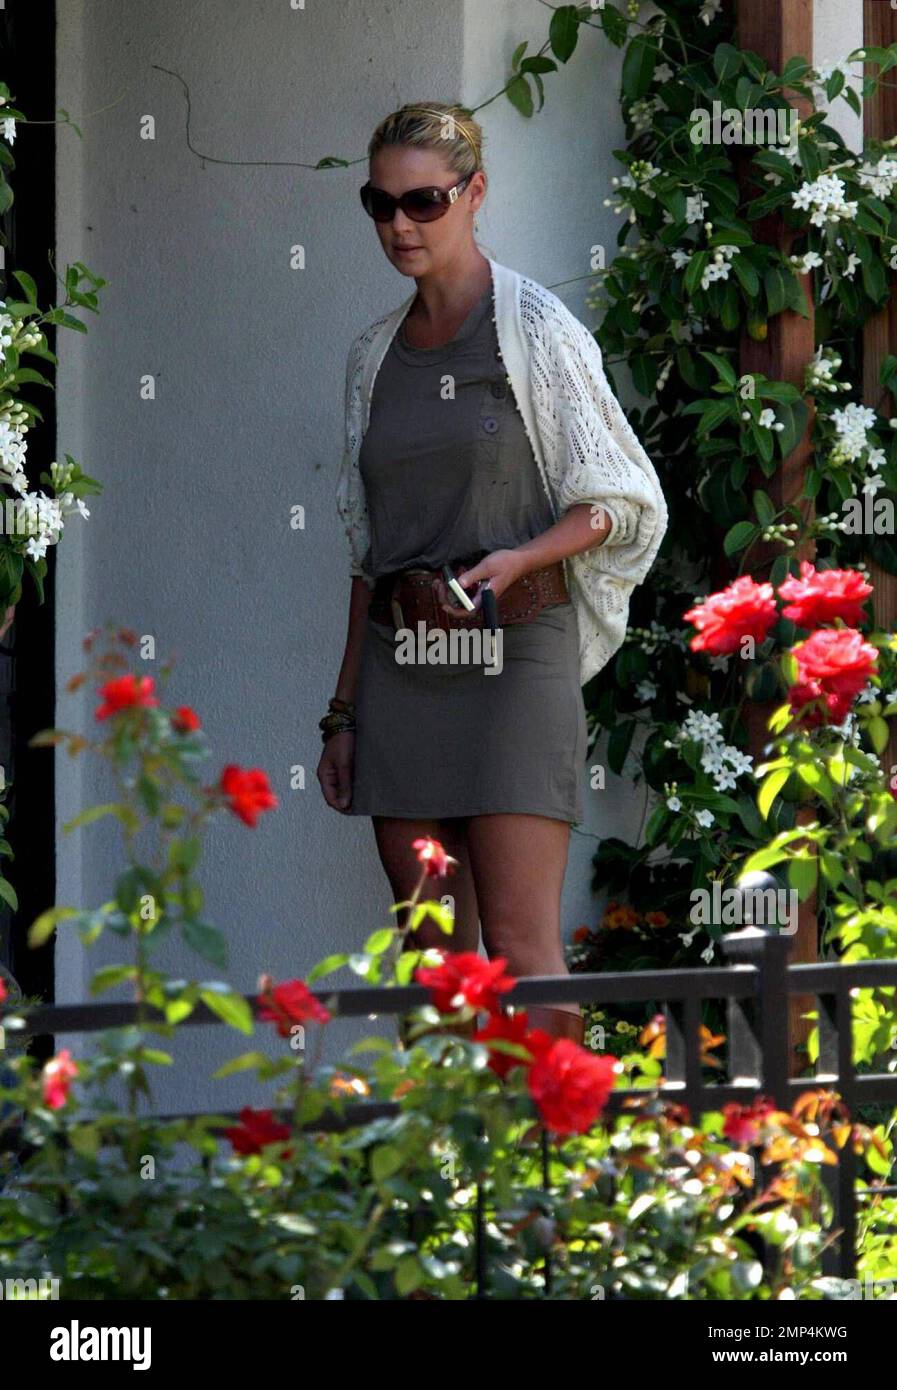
x=490, y=609
x=460, y=593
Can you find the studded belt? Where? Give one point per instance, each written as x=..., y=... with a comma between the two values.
x=406, y=597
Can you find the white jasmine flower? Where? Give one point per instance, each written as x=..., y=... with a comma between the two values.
x=695, y=207
x=705, y=818
x=709, y=10
x=9, y=129
x=673, y=803
x=880, y=178
x=851, y=424
x=825, y=197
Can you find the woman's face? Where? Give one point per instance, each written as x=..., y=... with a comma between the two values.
x=419, y=248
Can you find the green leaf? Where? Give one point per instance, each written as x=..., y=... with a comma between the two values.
x=618, y=744
x=638, y=68
x=739, y=537
x=879, y=733
x=8, y=894
x=379, y=941
x=803, y=872
x=44, y=926
x=519, y=94
x=764, y=508
x=386, y=1159
x=723, y=367
x=518, y=54
x=408, y=1275
x=95, y=813
x=563, y=32
x=327, y=966
x=27, y=284
x=207, y=941
x=111, y=975
x=727, y=61
x=770, y=789
x=231, y=1008
x=247, y=1061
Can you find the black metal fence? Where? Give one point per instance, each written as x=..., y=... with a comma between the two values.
x=754, y=989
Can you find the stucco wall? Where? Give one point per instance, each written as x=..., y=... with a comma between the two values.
x=192, y=541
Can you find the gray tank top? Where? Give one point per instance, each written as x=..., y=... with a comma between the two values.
x=447, y=467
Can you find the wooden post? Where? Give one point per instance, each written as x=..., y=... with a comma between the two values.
x=880, y=332
x=779, y=30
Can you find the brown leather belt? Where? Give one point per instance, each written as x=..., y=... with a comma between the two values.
x=406, y=597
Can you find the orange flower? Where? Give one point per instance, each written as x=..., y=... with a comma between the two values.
x=582, y=934
x=349, y=1086
x=657, y=919
x=621, y=917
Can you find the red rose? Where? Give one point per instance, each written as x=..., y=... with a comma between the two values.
x=434, y=858
x=570, y=1086
x=744, y=609
x=126, y=692
x=185, y=720
x=582, y=934
x=742, y=1124
x=58, y=1074
x=512, y=1028
x=820, y=596
x=834, y=665
x=2, y=990
x=289, y=1003
x=248, y=792
x=256, y=1129
x=464, y=977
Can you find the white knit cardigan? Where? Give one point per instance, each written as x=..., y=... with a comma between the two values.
x=583, y=444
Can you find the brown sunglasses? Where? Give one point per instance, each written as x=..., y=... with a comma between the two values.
x=420, y=204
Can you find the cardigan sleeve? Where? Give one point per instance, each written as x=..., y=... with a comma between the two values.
x=350, y=502
x=600, y=459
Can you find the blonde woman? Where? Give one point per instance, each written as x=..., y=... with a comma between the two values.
x=481, y=433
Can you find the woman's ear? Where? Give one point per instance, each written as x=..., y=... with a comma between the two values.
x=477, y=190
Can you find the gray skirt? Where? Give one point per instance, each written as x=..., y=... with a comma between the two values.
x=434, y=741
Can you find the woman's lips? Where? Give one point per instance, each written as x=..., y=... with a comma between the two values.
x=407, y=250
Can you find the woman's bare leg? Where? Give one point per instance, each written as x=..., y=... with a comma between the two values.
x=518, y=864
x=394, y=837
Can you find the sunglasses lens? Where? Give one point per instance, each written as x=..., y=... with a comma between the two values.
x=424, y=205
x=377, y=204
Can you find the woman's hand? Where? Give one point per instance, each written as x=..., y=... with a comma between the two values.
x=498, y=571
x=335, y=770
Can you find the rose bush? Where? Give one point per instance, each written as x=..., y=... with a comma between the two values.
x=303, y=1197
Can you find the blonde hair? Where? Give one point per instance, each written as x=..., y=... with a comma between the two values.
x=434, y=125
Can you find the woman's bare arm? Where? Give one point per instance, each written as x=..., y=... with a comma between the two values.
x=359, y=602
